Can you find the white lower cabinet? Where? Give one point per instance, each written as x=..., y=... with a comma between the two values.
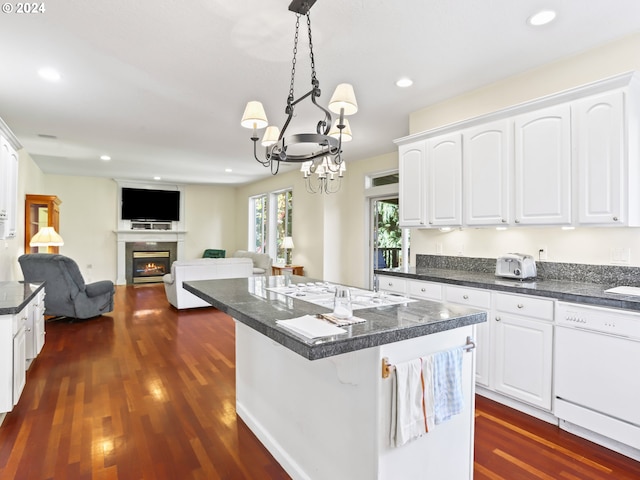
x=21, y=335
x=514, y=348
x=12, y=358
x=35, y=327
x=425, y=290
x=477, y=298
x=19, y=360
x=523, y=348
x=392, y=284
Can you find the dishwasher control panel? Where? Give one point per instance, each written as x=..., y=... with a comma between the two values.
x=622, y=323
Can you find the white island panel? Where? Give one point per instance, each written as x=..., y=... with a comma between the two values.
x=330, y=418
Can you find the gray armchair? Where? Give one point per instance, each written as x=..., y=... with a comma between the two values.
x=66, y=293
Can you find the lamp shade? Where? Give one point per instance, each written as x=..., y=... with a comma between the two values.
x=344, y=97
x=46, y=237
x=271, y=135
x=346, y=131
x=287, y=242
x=254, y=116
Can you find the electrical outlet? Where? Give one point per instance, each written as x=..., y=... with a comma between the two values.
x=543, y=253
x=621, y=256
x=461, y=250
x=438, y=248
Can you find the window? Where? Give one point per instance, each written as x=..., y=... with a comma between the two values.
x=270, y=220
x=258, y=218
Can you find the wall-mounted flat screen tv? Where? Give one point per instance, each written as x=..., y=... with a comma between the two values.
x=150, y=205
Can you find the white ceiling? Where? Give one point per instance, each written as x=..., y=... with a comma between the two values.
x=160, y=85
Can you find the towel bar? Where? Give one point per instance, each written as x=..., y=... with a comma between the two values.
x=387, y=368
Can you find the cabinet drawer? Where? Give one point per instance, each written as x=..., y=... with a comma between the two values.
x=20, y=320
x=392, y=284
x=428, y=290
x=468, y=296
x=540, y=308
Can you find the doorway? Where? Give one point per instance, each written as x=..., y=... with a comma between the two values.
x=389, y=243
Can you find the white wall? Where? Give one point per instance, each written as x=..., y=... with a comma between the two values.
x=89, y=218
x=308, y=218
x=87, y=222
x=584, y=245
x=30, y=180
x=211, y=219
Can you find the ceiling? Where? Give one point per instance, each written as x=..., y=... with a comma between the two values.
x=160, y=85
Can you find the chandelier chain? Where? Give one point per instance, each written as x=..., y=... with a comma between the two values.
x=314, y=80
x=293, y=61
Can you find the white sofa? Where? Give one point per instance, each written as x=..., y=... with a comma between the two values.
x=261, y=261
x=201, y=269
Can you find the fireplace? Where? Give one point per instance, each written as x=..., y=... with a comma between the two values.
x=149, y=267
x=147, y=262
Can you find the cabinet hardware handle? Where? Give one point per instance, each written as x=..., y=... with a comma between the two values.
x=517, y=220
x=498, y=319
x=466, y=297
x=520, y=305
x=504, y=221
x=615, y=219
x=423, y=289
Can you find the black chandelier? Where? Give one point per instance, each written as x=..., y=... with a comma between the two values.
x=322, y=150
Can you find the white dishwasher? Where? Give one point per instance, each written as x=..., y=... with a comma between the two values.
x=596, y=380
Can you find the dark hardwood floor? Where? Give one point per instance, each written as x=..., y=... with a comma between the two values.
x=149, y=392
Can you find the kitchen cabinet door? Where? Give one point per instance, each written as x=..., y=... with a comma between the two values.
x=542, y=188
x=487, y=169
x=8, y=189
x=444, y=180
x=477, y=298
x=599, y=127
x=35, y=328
x=19, y=364
x=411, y=165
x=522, y=362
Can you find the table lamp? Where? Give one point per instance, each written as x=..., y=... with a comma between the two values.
x=287, y=244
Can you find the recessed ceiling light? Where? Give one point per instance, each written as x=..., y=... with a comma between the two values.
x=49, y=74
x=404, y=82
x=157, y=178
x=228, y=170
x=47, y=136
x=106, y=158
x=543, y=17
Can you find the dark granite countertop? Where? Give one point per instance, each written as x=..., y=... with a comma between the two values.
x=565, y=290
x=248, y=301
x=14, y=296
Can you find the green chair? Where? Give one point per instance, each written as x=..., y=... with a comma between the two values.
x=213, y=253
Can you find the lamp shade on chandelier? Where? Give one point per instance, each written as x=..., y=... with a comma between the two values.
x=319, y=151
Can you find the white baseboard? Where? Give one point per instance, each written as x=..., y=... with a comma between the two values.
x=517, y=405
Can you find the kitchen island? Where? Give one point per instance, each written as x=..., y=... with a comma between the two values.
x=321, y=406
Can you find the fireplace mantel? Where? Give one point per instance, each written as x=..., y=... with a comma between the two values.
x=129, y=236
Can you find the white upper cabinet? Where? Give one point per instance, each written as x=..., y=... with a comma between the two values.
x=444, y=180
x=604, y=168
x=487, y=173
x=8, y=189
x=572, y=158
x=542, y=189
x=411, y=159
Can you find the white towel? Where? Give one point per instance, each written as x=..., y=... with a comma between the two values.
x=447, y=384
x=429, y=396
x=407, y=414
